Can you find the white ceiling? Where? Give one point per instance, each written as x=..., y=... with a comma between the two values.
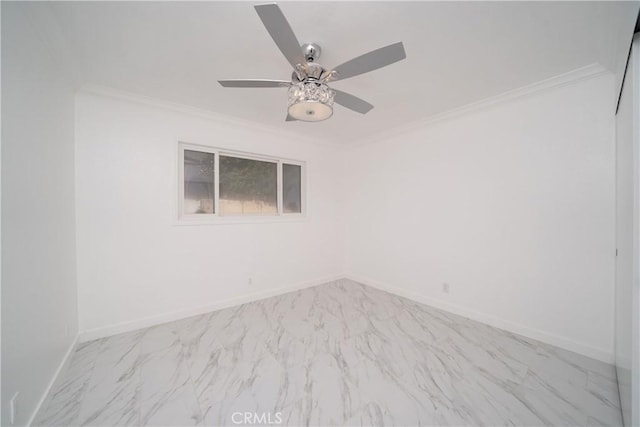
x=457, y=52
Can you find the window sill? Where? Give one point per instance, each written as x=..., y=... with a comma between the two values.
x=230, y=220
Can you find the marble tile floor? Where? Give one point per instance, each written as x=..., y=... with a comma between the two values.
x=336, y=354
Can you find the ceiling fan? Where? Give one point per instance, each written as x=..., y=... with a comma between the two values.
x=310, y=98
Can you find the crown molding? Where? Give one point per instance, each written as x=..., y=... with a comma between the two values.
x=556, y=82
x=572, y=77
x=108, y=92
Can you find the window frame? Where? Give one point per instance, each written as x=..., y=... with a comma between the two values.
x=216, y=217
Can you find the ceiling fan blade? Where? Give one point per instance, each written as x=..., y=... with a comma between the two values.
x=281, y=32
x=254, y=83
x=351, y=102
x=289, y=118
x=370, y=61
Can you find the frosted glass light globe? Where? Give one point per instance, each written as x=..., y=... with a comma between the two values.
x=310, y=101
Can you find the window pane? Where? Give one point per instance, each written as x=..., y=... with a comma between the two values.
x=247, y=186
x=199, y=182
x=291, y=188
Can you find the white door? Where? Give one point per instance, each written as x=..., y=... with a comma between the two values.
x=627, y=331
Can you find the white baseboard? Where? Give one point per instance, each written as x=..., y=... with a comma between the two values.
x=63, y=365
x=516, y=328
x=92, y=334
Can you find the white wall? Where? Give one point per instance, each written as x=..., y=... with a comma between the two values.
x=137, y=267
x=511, y=205
x=39, y=310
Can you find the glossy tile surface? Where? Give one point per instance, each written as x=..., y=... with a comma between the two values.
x=336, y=354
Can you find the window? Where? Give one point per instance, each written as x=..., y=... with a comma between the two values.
x=291, y=188
x=248, y=186
x=199, y=180
x=221, y=183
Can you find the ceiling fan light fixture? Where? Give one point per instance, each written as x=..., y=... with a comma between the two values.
x=310, y=101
